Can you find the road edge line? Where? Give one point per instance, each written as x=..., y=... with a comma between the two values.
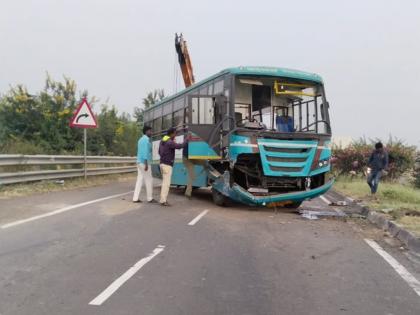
x=58, y=211
x=400, y=269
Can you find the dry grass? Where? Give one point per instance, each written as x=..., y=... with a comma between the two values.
x=27, y=189
x=410, y=223
x=391, y=197
x=401, y=202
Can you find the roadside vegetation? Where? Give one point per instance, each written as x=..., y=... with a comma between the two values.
x=399, y=192
x=38, y=122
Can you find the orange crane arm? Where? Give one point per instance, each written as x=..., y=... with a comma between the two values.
x=184, y=60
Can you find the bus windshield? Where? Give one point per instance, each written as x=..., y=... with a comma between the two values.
x=281, y=104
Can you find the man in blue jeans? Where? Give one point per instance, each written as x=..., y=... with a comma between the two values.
x=378, y=163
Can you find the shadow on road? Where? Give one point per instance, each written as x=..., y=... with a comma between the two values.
x=205, y=195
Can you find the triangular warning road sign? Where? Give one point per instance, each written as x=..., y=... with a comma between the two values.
x=84, y=117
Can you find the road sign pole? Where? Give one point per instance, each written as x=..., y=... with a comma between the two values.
x=84, y=159
x=84, y=118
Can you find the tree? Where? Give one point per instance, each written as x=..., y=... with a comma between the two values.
x=39, y=123
x=40, y=119
x=151, y=98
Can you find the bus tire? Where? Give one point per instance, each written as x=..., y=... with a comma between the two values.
x=293, y=205
x=218, y=198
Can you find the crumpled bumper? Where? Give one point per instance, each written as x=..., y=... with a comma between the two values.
x=237, y=193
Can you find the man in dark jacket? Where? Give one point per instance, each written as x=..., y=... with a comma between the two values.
x=378, y=162
x=167, y=149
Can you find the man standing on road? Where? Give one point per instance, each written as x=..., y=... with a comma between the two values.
x=190, y=171
x=167, y=149
x=144, y=159
x=378, y=163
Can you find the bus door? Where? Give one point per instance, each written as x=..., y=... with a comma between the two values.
x=202, y=118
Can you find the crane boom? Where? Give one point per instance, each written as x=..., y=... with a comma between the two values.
x=184, y=60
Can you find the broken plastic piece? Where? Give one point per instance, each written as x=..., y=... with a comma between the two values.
x=309, y=216
x=338, y=203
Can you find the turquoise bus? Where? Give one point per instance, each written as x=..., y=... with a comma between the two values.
x=260, y=135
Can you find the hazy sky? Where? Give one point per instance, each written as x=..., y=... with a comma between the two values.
x=367, y=51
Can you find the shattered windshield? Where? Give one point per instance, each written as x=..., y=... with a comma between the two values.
x=281, y=104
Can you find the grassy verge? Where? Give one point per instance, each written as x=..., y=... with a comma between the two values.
x=399, y=201
x=26, y=189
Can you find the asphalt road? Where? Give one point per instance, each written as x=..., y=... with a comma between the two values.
x=115, y=257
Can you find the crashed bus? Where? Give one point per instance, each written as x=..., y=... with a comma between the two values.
x=259, y=135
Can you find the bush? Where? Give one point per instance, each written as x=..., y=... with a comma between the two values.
x=355, y=157
x=417, y=171
x=20, y=146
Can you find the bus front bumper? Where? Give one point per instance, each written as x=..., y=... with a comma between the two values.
x=237, y=193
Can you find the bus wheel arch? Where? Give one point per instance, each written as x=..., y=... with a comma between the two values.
x=218, y=198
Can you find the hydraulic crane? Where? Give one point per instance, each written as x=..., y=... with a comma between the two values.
x=184, y=60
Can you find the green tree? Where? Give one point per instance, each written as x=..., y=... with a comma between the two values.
x=39, y=123
x=151, y=98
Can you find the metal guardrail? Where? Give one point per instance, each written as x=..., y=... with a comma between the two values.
x=10, y=160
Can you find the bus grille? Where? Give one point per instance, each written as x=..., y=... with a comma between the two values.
x=290, y=158
x=286, y=159
x=286, y=169
x=286, y=150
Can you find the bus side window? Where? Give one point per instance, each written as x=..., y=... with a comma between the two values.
x=157, y=125
x=167, y=122
x=178, y=118
x=218, y=87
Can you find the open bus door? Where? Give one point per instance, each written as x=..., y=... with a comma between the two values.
x=205, y=117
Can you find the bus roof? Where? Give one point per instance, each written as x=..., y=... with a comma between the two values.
x=276, y=72
x=251, y=70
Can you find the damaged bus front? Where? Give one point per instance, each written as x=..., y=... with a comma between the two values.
x=274, y=138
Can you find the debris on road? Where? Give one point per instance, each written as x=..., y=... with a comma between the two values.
x=310, y=216
x=316, y=214
x=340, y=203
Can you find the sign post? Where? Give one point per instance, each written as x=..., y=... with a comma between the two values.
x=84, y=118
x=84, y=153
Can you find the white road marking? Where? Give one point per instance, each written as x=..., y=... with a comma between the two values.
x=197, y=218
x=400, y=269
x=58, y=211
x=325, y=200
x=114, y=286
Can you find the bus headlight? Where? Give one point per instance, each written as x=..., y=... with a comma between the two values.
x=324, y=163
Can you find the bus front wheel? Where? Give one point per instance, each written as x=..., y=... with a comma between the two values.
x=218, y=198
